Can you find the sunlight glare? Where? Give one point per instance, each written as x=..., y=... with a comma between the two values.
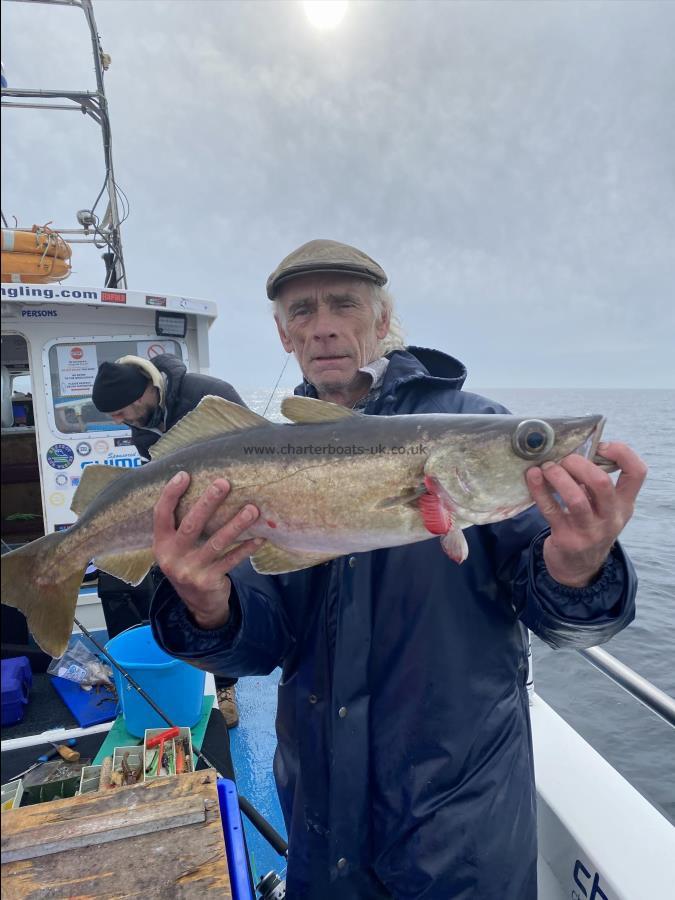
x=325, y=14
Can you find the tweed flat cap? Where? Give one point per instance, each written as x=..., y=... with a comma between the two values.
x=325, y=256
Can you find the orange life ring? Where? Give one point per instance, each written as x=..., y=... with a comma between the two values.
x=40, y=240
x=33, y=268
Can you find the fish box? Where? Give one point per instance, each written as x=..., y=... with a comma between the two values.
x=177, y=753
x=12, y=792
x=90, y=780
x=132, y=758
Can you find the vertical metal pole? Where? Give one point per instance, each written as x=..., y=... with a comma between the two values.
x=120, y=272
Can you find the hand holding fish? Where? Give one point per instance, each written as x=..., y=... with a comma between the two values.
x=198, y=569
x=596, y=510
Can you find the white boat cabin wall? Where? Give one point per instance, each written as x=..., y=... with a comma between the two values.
x=53, y=340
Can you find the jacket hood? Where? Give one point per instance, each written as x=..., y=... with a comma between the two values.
x=423, y=362
x=150, y=370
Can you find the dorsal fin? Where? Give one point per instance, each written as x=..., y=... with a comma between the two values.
x=212, y=417
x=92, y=481
x=304, y=410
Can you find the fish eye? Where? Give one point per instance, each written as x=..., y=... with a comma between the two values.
x=533, y=438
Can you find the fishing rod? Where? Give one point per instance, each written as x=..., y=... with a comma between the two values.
x=283, y=369
x=256, y=819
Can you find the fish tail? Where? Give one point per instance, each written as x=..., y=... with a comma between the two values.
x=44, y=585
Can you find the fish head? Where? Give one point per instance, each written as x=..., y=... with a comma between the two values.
x=480, y=470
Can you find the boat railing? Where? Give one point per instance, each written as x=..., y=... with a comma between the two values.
x=656, y=700
x=638, y=687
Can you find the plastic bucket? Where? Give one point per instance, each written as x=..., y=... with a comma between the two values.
x=176, y=687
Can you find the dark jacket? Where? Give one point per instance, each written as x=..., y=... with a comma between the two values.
x=404, y=760
x=184, y=390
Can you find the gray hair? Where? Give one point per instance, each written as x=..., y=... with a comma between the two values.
x=383, y=303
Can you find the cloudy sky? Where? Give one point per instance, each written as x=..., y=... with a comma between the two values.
x=511, y=165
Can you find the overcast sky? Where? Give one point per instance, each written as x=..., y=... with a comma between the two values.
x=511, y=165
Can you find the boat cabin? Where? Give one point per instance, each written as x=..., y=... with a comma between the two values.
x=53, y=340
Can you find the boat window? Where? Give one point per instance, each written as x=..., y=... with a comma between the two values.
x=72, y=370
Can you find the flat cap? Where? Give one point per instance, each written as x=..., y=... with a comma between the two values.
x=325, y=256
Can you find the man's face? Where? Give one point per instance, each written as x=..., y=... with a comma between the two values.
x=331, y=325
x=140, y=411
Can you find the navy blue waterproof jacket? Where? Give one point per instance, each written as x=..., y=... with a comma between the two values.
x=404, y=761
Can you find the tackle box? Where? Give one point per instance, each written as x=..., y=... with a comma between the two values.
x=149, y=755
x=12, y=793
x=53, y=780
x=134, y=756
x=90, y=779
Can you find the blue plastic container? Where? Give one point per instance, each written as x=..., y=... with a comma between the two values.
x=17, y=679
x=176, y=687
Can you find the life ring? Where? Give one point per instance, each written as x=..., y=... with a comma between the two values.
x=40, y=240
x=33, y=268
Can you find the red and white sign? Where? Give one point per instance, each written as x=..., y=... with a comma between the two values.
x=150, y=349
x=113, y=297
x=78, y=365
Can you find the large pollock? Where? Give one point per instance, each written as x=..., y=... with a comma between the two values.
x=333, y=482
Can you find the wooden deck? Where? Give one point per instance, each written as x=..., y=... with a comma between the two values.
x=162, y=839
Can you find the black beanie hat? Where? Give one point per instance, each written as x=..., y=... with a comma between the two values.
x=117, y=385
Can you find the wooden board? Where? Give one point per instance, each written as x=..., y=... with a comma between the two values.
x=169, y=860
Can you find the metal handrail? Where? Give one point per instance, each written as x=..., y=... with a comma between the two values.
x=638, y=687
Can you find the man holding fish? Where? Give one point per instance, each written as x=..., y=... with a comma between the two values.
x=404, y=761
x=393, y=585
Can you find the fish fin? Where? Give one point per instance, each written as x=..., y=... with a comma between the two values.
x=607, y=465
x=212, y=417
x=273, y=560
x=131, y=567
x=434, y=505
x=92, y=481
x=455, y=545
x=304, y=410
x=48, y=602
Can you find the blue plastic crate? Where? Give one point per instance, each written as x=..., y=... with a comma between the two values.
x=17, y=679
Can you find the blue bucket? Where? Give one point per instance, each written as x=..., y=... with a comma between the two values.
x=176, y=687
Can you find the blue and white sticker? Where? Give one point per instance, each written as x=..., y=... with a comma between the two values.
x=83, y=448
x=60, y=456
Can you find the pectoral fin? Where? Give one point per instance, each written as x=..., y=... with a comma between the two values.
x=455, y=545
